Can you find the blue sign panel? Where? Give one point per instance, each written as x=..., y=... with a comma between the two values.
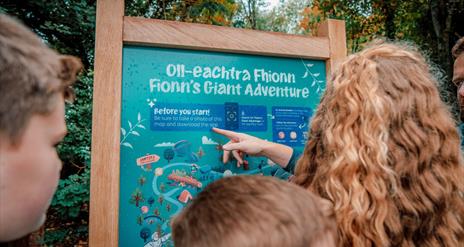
x=171, y=98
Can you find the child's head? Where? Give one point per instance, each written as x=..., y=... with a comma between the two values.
x=34, y=82
x=254, y=211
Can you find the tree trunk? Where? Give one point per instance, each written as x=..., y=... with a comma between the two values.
x=388, y=9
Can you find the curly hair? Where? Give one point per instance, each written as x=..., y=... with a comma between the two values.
x=385, y=151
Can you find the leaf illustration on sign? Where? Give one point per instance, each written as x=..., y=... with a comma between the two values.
x=131, y=131
x=314, y=76
x=126, y=144
x=305, y=74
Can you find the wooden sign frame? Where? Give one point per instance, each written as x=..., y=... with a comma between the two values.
x=113, y=29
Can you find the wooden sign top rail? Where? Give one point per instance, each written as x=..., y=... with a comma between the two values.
x=194, y=36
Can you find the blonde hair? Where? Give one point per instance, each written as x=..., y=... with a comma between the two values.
x=254, y=211
x=386, y=152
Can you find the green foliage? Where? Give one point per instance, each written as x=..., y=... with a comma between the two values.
x=248, y=14
x=285, y=17
x=216, y=12
x=64, y=236
x=432, y=25
x=68, y=26
x=72, y=195
x=55, y=236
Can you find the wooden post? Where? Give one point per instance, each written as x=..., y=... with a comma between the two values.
x=335, y=31
x=106, y=120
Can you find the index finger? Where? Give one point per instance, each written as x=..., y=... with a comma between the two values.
x=229, y=134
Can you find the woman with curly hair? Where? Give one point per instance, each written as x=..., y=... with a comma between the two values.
x=384, y=149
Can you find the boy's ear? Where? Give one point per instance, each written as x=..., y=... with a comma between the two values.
x=70, y=67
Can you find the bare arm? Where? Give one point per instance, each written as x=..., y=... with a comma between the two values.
x=243, y=143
